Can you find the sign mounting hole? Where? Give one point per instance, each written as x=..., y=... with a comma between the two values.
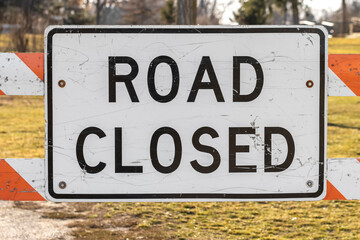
x=61, y=83
x=62, y=184
x=309, y=84
x=309, y=183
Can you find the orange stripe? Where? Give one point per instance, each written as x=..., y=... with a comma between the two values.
x=2, y=93
x=35, y=61
x=332, y=193
x=14, y=187
x=347, y=68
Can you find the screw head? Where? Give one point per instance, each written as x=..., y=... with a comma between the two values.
x=62, y=184
x=309, y=84
x=309, y=183
x=61, y=83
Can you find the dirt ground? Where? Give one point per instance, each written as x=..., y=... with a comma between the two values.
x=25, y=220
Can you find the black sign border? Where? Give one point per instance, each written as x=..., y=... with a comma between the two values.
x=187, y=30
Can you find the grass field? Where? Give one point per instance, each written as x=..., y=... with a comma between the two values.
x=344, y=45
x=35, y=43
x=22, y=135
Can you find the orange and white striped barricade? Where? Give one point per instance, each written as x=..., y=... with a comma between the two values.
x=24, y=179
x=343, y=174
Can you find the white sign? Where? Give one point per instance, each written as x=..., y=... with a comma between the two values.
x=185, y=113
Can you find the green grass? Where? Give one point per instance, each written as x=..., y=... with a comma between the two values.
x=22, y=135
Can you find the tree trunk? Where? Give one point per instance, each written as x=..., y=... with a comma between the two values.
x=98, y=12
x=285, y=11
x=344, y=18
x=186, y=12
x=295, y=11
x=99, y=7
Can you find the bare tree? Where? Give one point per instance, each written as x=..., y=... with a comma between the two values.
x=141, y=11
x=344, y=18
x=283, y=7
x=295, y=11
x=20, y=14
x=206, y=13
x=186, y=12
x=99, y=5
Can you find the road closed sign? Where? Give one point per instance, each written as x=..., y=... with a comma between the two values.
x=185, y=113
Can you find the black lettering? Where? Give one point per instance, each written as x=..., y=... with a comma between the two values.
x=175, y=79
x=119, y=168
x=233, y=149
x=80, y=150
x=198, y=84
x=203, y=148
x=113, y=78
x=237, y=97
x=291, y=149
x=153, y=150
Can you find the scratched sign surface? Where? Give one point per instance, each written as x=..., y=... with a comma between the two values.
x=180, y=114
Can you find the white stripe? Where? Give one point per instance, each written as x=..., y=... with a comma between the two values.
x=16, y=78
x=343, y=173
x=336, y=87
x=32, y=170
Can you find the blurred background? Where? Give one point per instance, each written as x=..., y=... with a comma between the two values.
x=22, y=22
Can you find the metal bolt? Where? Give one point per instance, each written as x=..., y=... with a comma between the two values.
x=62, y=184
x=309, y=84
x=61, y=83
x=310, y=183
